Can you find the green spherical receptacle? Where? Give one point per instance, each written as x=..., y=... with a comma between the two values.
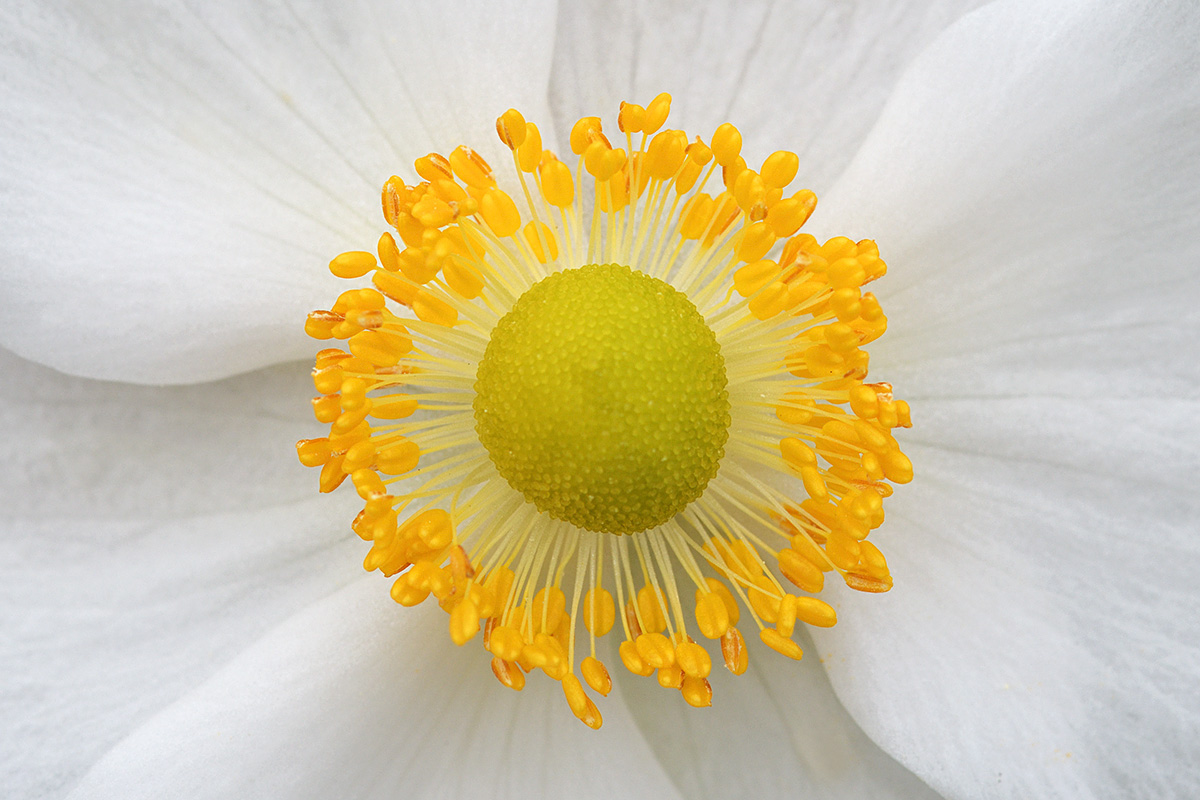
x=602, y=398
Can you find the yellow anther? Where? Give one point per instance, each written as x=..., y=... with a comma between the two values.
x=786, y=216
x=872, y=561
x=381, y=348
x=368, y=483
x=463, y=276
x=558, y=187
x=786, y=622
x=350, y=420
x=693, y=659
x=816, y=612
x=846, y=303
x=389, y=253
x=780, y=644
x=665, y=154
x=711, y=615
x=500, y=213
x=508, y=673
x=670, y=677
x=433, y=167
x=327, y=408
x=470, y=168
x=602, y=162
x=652, y=607
x=656, y=650
x=814, y=483
x=313, y=452
x=756, y=242
x=396, y=406
x=842, y=549
x=697, y=692
x=540, y=239
x=352, y=265
x=732, y=613
x=897, y=467
x=395, y=199
x=433, y=212
x=752, y=277
x=581, y=705
x=731, y=172
x=548, y=607
x=631, y=118
x=770, y=301
x=749, y=190
x=506, y=643
x=726, y=144
x=656, y=113
x=599, y=611
x=696, y=216
x=464, y=622
x=510, y=127
x=797, y=454
x=800, y=571
x=780, y=169
x=529, y=154
x=596, y=675
x=733, y=651
x=331, y=475
x=583, y=133
x=796, y=409
x=633, y=660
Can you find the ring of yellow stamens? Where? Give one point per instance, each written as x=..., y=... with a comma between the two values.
x=789, y=316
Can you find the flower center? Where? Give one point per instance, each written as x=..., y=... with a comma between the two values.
x=602, y=399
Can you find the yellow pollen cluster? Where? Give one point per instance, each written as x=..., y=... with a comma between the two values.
x=789, y=317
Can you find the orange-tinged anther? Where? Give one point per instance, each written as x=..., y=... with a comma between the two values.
x=381, y=348
x=800, y=571
x=558, y=187
x=582, y=133
x=399, y=458
x=389, y=252
x=470, y=168
x=653, y=609
x=780, y=169
x=313, y=452
x=816, y=612
x=548, y=607
x=599, y=611
x=327, y=408
x=394, y=197
x=500, y=213
x=756, y=242
x=733, y=651
x=814, y=483
x=464, y=622
x=508, y=673
x=780, y=643
x=633, y=660
x=331, y=475
x=433, y=167
x=711, y=616
x=897, y=467
x=722, y=591
x=726, y=144
x=596, y=675
x=656, y=113
x=529, y=153
x=731, y=172
x=693, y=659
x=354, y=264
x=670, y=677
x=460, y=564
x=602, y=162
x=656, y=650
x=506, y=643
x=866, y=583
x=697, y=692
x=581, y=705
x=510, y=127
x=541, y=241
x=631, y=118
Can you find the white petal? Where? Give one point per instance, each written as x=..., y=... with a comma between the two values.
x=358, y=697
x=776, y=731
x=1033, y=186
x=149, y=535
x=805, y=76
x=176, y=178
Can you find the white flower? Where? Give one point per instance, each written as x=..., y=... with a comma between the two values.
x=182, y=617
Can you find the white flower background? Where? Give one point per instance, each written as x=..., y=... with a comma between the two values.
x=182, y=614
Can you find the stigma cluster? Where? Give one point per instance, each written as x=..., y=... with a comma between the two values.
x=790, y=315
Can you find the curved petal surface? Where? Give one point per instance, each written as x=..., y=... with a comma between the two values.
x=356, y=697
x=176, y=178
x=807, y=76
x=148, y=536
x=776, y=731
x=1034, y=184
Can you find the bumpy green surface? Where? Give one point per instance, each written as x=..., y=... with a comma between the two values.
x=602, y=398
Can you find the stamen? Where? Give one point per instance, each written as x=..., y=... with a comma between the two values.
x=577, y=379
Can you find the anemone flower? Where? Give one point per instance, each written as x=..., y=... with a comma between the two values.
x=184, y=617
